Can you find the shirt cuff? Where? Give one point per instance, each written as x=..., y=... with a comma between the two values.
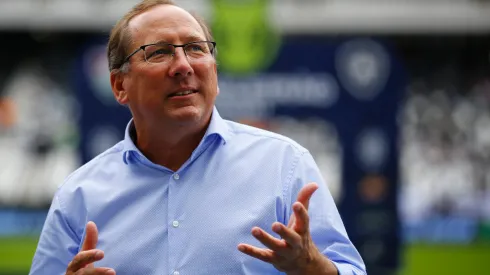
x=348, y=269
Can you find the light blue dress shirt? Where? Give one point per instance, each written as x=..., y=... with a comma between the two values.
x=152, y=220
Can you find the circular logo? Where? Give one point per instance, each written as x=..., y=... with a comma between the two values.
x=246, y=41
x=372, y=149
x=373, y=250
x=373, y=188
x=363, y=68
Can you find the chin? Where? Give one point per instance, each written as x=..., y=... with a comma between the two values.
x=188, y=114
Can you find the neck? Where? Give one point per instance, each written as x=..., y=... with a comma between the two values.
x=169, y=150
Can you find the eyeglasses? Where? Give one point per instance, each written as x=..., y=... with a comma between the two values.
x=164, y=52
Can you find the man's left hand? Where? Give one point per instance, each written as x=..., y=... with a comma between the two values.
x=295, y=253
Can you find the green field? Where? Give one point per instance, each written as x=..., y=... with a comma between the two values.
x=446, y=259
x=16, y=255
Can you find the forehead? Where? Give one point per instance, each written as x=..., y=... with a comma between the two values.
x=165, y=23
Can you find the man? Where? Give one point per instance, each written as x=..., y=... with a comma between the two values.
x=187, y=192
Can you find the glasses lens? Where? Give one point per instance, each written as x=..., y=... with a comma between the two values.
x=199, y=49
x=159, y=53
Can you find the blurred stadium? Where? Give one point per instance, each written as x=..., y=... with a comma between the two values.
x=391, y=97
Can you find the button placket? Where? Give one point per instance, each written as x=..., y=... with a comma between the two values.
x=175, y=224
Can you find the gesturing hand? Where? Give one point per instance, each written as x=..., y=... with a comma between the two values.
x=83, y=262
x=295, y=253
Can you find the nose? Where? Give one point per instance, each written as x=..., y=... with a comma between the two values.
x=180, y=66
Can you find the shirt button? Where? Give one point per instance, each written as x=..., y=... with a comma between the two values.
x=176, y=273
x=175, y=224
x=176, y=176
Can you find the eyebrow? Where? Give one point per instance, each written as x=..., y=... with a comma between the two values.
x=189, y=38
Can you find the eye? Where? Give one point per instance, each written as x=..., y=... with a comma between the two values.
x=195, y=48
x=159, y=51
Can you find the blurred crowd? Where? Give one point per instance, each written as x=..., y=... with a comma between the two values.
x=445, y=150
x=37, y=137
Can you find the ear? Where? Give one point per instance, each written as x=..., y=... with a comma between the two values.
x=216, y=71
x=118, y=89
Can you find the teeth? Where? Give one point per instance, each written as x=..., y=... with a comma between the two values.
x=184, y=93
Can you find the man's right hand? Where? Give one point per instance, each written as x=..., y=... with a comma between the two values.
x=83, y=262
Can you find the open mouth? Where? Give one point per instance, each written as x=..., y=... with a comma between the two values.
x=183, y=93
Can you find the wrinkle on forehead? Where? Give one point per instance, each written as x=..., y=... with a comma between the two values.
x=165, y=23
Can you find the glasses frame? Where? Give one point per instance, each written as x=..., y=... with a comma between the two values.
x=142, y=48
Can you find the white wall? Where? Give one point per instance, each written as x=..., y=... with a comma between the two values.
x=290, y=16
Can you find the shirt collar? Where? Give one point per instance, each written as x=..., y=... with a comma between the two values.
x=217, y=127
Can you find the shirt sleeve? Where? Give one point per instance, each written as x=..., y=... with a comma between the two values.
x=58, y=243
x=326, y=226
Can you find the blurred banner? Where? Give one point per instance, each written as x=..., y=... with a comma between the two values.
x=338, y=97
x=103, y=120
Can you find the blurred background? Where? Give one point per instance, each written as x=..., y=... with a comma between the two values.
x=391, y=97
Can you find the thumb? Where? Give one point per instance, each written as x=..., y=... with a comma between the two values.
x=91, y=237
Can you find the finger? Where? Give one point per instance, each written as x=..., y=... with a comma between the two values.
x=91, y=237
x=84, y=258
x=96, y=271
x=306, y=192
x=265, y=255
x=292, y=221
x=290, y=236
x=302, y=219
x=269, y=240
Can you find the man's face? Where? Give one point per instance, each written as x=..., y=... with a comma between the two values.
x=151, y=87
